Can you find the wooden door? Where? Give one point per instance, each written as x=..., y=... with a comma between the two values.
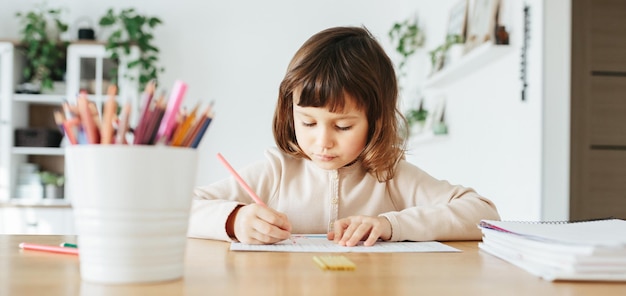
x=598, y=110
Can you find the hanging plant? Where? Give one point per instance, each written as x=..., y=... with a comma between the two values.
x=407, y=37
x=130, y=28
x=44, y=51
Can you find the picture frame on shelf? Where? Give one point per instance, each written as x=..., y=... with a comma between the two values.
x=481, y=23
x=439, y=104
x=457, y=20
x=435, y=105
x=456, y=32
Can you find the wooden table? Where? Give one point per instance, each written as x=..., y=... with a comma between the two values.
x=211, y=269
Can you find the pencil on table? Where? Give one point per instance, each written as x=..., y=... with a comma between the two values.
x=46, y=248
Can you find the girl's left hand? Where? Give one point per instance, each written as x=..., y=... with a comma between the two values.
x=349, y=231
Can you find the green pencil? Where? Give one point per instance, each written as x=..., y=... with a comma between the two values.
x=68, y=245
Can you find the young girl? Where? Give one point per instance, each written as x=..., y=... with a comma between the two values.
x=339, y=168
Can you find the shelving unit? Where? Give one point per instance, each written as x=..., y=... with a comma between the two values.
x=88, y=68
x=475, y=59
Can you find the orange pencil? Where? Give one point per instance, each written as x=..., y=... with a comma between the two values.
x=109, y=113
x=183, y=129
x=193, y=132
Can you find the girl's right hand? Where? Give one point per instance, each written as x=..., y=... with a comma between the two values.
x=256, y=224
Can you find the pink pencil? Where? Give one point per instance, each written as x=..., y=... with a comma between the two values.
x=46, y=248
x=240, y=180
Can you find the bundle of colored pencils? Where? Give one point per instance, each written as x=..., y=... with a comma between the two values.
x=161, y=121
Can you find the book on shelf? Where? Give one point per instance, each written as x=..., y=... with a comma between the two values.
x=581, y=251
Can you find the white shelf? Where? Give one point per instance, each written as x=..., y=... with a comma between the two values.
x=39, y=99
x=475, y=59
x=44, y=202
x=38, y=150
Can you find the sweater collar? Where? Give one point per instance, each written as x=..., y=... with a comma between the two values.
x=349, y=169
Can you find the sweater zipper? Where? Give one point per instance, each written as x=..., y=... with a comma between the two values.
x=334, y=198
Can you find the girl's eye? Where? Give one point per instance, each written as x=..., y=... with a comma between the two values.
x=344, y=128
x=307, y=124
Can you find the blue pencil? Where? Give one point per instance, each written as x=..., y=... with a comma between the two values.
x=203, y=128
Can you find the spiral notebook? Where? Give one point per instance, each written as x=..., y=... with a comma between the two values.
x=585, y=251
x=607, y=233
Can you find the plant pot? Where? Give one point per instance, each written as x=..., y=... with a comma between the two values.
x=52, y=191
x=417, y=127
x=454, y=53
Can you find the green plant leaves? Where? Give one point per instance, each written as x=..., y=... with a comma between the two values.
x=407, y=37
x=43, y=52
x=131, y=28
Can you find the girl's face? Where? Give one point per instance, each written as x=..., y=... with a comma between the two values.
x=330, y=140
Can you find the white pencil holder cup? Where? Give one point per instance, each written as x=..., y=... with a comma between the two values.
x=131, y=207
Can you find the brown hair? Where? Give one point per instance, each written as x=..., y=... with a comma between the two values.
x=337, y=61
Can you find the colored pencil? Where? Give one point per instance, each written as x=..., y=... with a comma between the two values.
x=110, y=107
x=169, y=117
x=183, y=129
x=46, y=248
x=240, y=180
x=122, y=129
x=87, y=120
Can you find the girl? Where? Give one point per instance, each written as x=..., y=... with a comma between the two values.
x=339, y=167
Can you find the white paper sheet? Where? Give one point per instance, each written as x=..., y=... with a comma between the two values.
x=317, y=243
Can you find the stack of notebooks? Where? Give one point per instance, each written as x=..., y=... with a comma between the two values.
x=574, y=251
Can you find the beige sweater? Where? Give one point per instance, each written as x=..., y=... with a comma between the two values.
x=419, y=207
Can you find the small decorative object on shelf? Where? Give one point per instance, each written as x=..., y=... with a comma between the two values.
x=482, y=23
x=45, y=52
x=502, y=36
x=416, y=118
x=439, y=126
x=53, y=184
x=38, y=137
x=442, y=54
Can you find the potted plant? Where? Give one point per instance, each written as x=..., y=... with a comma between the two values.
x=407, y=37
x=416, y=118
x=449, y=51
x=130, y=28
x=45, y=52
x=53, y=184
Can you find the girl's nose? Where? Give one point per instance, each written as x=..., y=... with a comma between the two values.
x=325, y=138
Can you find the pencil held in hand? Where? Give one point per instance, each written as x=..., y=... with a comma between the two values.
x=240, y=180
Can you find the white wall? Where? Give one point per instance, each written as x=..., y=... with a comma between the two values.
x=557, y=96
x=494, y=143
x=236, y=52
x=232, y=52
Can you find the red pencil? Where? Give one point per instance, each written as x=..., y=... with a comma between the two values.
x=46, y=248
